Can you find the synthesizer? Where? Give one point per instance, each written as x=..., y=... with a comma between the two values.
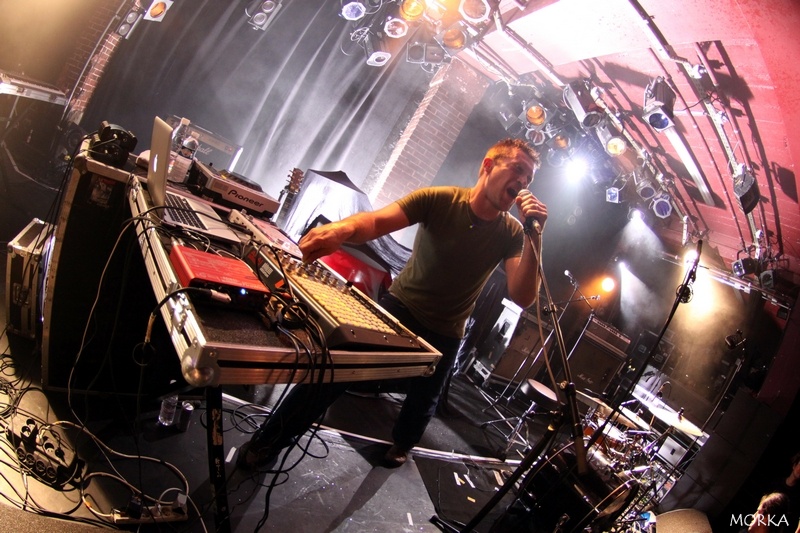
x=347, y=316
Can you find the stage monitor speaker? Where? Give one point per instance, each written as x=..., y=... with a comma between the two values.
x=91, y=332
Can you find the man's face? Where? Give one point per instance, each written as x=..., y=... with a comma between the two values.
x=507, y=176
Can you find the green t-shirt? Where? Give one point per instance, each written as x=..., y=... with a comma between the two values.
x=454, y=254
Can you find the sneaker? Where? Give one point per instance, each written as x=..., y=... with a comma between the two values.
x=250, y=459
x=396, y=456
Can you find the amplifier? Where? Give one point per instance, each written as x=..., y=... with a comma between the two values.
x=24, y=275
x=607, y=336
x=229, y=190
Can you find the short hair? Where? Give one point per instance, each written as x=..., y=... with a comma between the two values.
x=505, y=147
x=774, y=504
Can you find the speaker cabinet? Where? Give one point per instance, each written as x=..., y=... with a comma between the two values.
x=519, y=361
x=97, y=296
x=597, y=357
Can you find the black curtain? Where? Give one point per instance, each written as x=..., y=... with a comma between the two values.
x=299, y=94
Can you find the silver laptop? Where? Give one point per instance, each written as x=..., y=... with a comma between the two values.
x=187, y=213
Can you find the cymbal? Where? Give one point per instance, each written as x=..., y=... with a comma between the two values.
x=624, y=416
x=677, y=421
x=632, y=420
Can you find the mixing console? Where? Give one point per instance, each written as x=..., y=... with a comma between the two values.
x=347, y=316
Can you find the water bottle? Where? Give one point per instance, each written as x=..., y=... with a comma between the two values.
x=180, y=133
x=168, y=407
x=183, y=149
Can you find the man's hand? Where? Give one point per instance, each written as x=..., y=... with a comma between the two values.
x=530, y=207
x=324, y=240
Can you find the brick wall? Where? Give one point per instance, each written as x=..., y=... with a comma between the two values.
x=430, y=134
x=98, y=41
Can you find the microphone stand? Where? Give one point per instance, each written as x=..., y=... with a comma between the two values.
x=535, y=458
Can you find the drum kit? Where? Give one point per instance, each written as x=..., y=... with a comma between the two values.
x=626, y=476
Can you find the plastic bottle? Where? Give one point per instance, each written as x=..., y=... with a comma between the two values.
x=183, y=148
x=166, y=416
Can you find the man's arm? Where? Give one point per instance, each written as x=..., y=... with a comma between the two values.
x=355, y=229
x=522, y=274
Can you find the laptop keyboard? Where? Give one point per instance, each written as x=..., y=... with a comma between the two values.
x=184, y=214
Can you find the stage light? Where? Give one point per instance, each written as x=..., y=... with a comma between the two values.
x=411, y=10
x=353, y=10
x=662, y=205
x=579, y=100
x=395, y=28
x=613, y=144
x=613, y=195
x=130, y=21
x=743, y=267
x=634, y=213
x=536, y=114
x=745, y=187
x=659, y=101
x=474, y=11
x=535, y=137
x=454, y=38
x=429, y=53
x=262, y=13
x=645, y=187
x=377, y=55
x=157, y=10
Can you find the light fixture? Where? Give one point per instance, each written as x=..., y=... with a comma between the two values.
x=613, y=195
x=535, y=137
x=743, y=267
x=745, y=187
x=454, y=38
x=377, y=55
x=535, y=114
x=767, y=279
x=132, y=18
x=645, y=187
x=353, y=10
x=659, y=101
x=635, y=213
x=578, y=98
x=262, y=13
x=411, y=10
x=662, y=205
x=613, y=144
x=395, y=27
x=157, y=10
x=474, y=11
x=428, y=53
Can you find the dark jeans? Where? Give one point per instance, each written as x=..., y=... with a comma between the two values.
x=306, y=403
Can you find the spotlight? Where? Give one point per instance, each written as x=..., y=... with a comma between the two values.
x=644, y=185
x=353, y=10
x=767, y=279
x=745, y=187
x=262, y=13
x=377, y=55
x=395, y=28
x=659, y=101
x=427, y=53
x=634, y=213
x=474, y=11
x=157, y=10
x=613, y=144
x=454, y=39
x=743, y=267
x=129, y=22
x=535, y=137
x=613, y=195
x=662, y=206
x=735, y=340
x=577, y=97
x=411, y=10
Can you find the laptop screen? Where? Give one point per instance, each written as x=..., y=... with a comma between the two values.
x=158, y=165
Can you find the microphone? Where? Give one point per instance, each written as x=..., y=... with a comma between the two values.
x=570, y=276
x=532, y=224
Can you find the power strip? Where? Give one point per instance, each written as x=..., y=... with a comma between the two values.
x=153, y=514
